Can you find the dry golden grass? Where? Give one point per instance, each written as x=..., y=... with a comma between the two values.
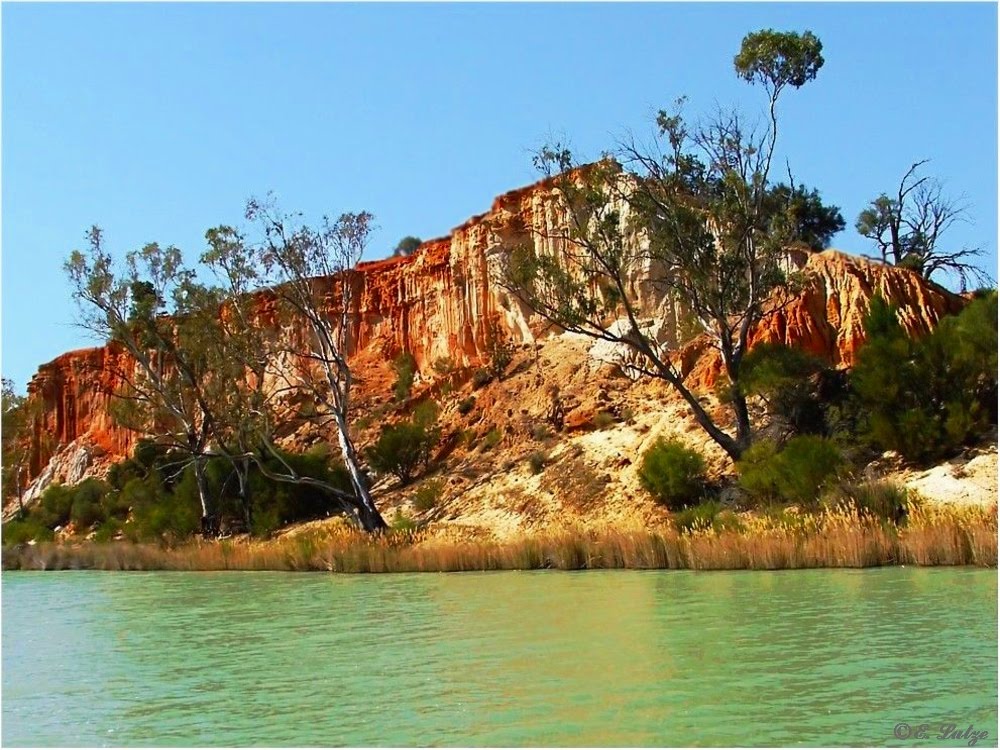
x=833, y=538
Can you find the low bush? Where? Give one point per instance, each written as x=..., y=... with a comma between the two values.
x=427, y=497
x=795, y=474
x=26, y=530
x=490, y=440
x=603, y=420
x=466, y=405
x=443, y=366
x=480, y=378
x=674, y=473
x=706, y=515
x=403, y=450
x=537, y=461
x=402, y=522
x=54, y=506
x=880, y=498
x=87, y=508
x=405, y=366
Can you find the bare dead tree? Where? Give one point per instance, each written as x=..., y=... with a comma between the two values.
x=907, y=229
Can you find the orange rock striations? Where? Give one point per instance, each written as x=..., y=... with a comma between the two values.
x=440, y=302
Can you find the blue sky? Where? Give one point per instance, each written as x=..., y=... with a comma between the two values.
x=158, y=121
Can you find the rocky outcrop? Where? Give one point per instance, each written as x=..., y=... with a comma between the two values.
x=440, y=302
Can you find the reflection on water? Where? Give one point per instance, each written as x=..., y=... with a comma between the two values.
x=544, y=658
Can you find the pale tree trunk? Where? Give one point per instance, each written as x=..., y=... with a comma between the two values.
x=243, y=477
x=209, y=525
x=368, y=515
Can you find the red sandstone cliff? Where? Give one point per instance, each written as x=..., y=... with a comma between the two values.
x=438, y=303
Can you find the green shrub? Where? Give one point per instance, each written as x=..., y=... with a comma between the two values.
x=402, y=522
x=490, y=440
x=787, y=380
x=541, y=432
x=927, y=398
x=537, y=461
x=500, y=350
x=480, y=378
x=603, y=420
x=87, y=508
x=795, y=474
x=26, y=530
x=405, y=366
x=443, y=366
x=466, y=405
x=403, y=450
x=880, y=498
x=674, y=473
x=426, y=413
x=706, y=515
x=108, y=530
x=54, y=506
x=428, y=495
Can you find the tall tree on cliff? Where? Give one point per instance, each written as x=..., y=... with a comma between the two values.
x=908, y=228
x=157, y=312
x=14, y=446
x=258, y=404
x=696, y=214
x=310, y=273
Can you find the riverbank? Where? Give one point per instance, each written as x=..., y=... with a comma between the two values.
x=840, y=538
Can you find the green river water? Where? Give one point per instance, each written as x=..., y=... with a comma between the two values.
x=827, y=657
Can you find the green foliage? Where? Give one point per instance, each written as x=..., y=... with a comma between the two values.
x=805, y=216
x=25, y=530
x=778, y=59
x=880, y=498
x=443, y=366
x=674, y=473
x=499, y=350
x=537, y=461
x=426, y=413
x=706, y=515
x=405, y=366
x=54, y=506
x=787, y=380
x=87, y=507
x=491, y=440
x=403, y=450
x=402, y=522
x=480, y=378
x=795, y=474
x=603, y=420
x=427, y=497
x=466, y=405
x=406, y=246
x=927, y=398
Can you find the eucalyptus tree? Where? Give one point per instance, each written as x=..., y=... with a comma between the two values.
x=15, y=448
x=695, y=214
x=308, y=275
x=172, y=383
x=908, y=228
x=259, y=405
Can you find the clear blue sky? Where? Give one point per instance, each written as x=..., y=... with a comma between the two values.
x=158, y=121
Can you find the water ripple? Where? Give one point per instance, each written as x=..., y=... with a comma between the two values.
x=545, y=658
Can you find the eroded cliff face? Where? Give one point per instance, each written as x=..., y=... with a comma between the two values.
x=440, y=302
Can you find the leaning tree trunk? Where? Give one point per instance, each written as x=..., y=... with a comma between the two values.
x=368, y=515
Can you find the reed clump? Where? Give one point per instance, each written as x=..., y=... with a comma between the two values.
x=841, y=536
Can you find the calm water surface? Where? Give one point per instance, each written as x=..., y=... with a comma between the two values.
x=545, y=658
